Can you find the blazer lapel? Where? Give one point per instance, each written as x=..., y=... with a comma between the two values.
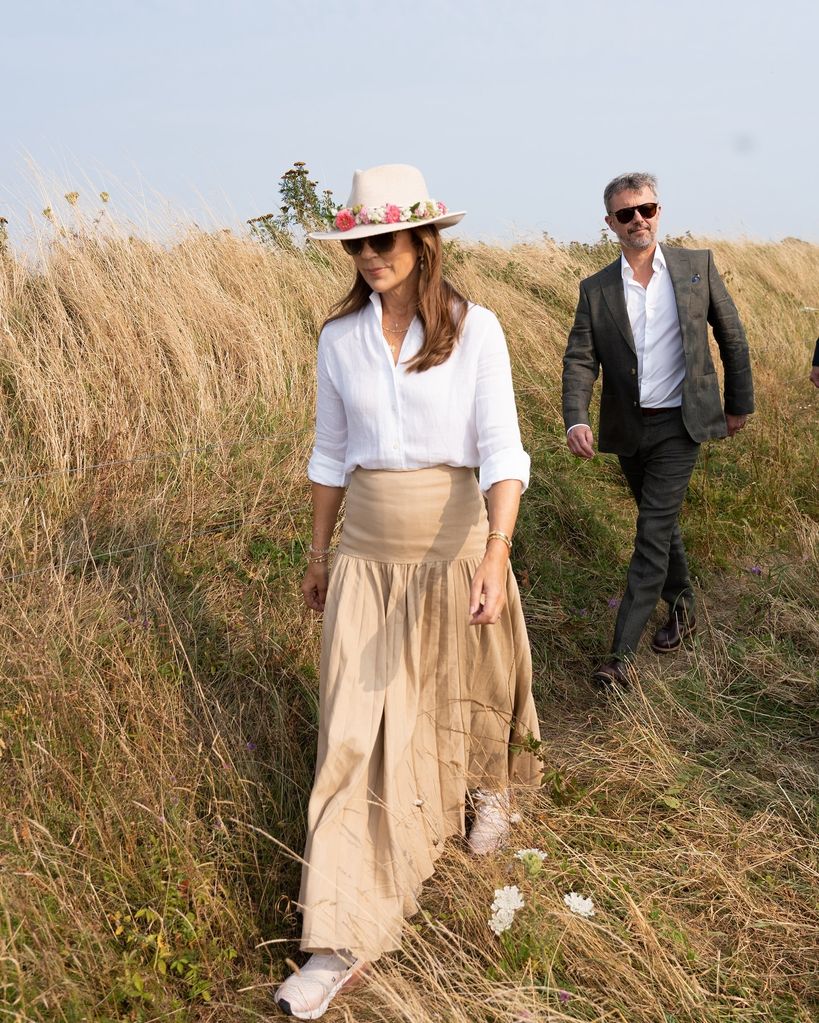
x=678, y=262
x=612, y=288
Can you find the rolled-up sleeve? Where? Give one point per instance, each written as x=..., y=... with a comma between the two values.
x=499, y=447
x=327, y=462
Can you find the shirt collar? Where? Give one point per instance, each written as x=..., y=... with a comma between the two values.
x=658, y=264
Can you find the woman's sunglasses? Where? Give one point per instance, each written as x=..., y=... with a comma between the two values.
x=647, y=210
x=379, y=243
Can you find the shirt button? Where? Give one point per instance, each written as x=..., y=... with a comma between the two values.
x=395, y=447
x=634, y=403
x=634, y=372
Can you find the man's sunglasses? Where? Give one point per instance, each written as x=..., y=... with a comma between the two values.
x=379, y=243
x=647, y=210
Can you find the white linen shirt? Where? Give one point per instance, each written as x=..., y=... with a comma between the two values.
x=374, y=414
x=655, y=326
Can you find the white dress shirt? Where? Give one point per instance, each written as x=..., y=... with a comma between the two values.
x=655, y=326
x=374, y=414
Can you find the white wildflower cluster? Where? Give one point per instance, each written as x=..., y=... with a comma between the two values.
x=532, y=860
x=508, y=901
x=579, y=905
x=525, y=854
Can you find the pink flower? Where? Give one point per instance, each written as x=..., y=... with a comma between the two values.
x=363, y=215
x=392, y=214
x=344, y=220
x=441, y=208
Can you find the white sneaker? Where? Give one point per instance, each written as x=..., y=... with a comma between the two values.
x=307, y=993
x=491, y=825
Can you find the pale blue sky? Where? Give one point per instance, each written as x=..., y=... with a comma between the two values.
x=518, y=112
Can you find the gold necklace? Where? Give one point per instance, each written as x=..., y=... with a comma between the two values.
x=395, y=329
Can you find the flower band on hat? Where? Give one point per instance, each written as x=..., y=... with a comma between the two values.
x=348, y=218
x=391, y=197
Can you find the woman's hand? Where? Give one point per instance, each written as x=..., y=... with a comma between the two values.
x=314, y=585
x=487, y=594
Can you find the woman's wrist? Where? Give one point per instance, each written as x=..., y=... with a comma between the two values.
x=497, y=548
x=499, y=534
x=318, y=554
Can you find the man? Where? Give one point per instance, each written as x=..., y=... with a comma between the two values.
x=644, y=320
x=814, y=370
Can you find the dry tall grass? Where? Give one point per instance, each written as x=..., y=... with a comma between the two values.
x=158, y=698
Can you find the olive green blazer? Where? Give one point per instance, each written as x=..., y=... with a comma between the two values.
x=601, y=337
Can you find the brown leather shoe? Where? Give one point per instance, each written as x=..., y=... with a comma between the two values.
x=669, y=637
x=613, y=674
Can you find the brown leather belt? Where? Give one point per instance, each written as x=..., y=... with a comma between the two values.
x=657, y=411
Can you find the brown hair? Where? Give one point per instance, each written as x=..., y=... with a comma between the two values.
x=441, y=308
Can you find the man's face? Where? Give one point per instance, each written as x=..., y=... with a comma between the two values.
x=641, y=231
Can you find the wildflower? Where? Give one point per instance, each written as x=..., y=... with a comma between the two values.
x=508, y=901
x=563, y=996
x=532, y=860
x=104, y=196
x=755, y=570
x=614, y=602
x=72, y=198
x=523, y=854
x=579, y=905
x=251, y=746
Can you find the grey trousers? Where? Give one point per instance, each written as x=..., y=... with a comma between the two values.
x=658, y=475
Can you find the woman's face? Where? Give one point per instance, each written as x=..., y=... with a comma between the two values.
x=389, y=270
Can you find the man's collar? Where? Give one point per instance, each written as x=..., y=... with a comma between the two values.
x=657, y=263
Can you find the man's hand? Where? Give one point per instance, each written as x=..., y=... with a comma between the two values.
x=735, y=423
x=814, y=376
x=580, y=440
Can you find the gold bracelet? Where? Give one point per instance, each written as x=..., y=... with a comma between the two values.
x=497, y=534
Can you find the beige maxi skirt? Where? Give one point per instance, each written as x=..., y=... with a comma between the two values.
x=416, y=705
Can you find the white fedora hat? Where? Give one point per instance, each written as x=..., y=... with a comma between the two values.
x=393, y=197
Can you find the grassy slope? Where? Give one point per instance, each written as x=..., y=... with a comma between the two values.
x=158, y=706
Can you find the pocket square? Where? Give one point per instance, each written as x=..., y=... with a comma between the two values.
x=695, y=279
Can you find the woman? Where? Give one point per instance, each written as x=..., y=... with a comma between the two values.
x=425, y=666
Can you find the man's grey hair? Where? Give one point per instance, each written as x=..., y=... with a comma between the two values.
x=632, y=182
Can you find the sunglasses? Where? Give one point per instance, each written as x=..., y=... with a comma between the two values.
x=381, y=244
x=647, y=210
